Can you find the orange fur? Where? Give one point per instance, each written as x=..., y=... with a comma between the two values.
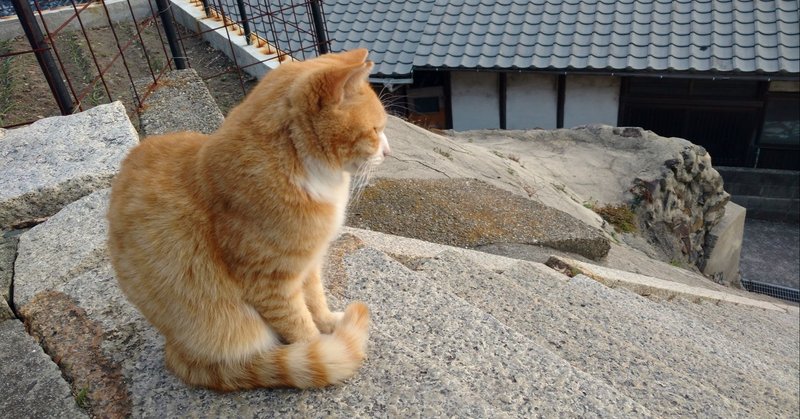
x=219, y=239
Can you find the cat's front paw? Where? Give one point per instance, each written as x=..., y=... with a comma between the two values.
x=328, y=324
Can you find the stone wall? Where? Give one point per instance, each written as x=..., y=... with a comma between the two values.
x=679, y=207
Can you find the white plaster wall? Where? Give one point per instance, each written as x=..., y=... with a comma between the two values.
x=475, y=100
x=591, y=100
x=531, y=100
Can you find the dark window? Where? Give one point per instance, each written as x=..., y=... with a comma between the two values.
x=689, y=88
x=781, y=122
x=426, y=104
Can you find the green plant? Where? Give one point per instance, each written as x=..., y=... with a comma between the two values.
x=80, y=398
x=84, y=66
x=6, y=81
x=510, y=171
x=444, y=153
x=621, y=216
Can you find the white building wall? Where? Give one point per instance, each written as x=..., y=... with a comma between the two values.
x=591, y=100
x=474, y=100
x=531, y=100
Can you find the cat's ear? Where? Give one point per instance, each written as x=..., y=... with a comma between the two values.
x=341, y=82
x=353, y=56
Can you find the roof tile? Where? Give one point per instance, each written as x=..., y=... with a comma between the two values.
x=658, y=35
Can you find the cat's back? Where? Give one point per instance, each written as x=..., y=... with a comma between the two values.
x=155, y=185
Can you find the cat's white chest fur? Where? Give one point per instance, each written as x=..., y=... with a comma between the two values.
x=324, y=184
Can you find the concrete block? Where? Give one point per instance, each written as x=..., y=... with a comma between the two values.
x=74, y=241
x=724, y=247
x=57, y=160
x=180, y=102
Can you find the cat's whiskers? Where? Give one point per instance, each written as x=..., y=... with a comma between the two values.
x=361, y=179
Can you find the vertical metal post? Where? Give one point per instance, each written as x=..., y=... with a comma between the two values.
x=171, y=33
x=206, y=9
x=562, y=87
x=502, y=87
x=319, y=27
x=245, y=24
x=43, y=55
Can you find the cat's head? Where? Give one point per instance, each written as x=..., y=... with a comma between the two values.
x=334, y=105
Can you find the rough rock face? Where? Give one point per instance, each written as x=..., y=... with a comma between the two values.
x=57, y=160
x=682, y=205
x=678, y=196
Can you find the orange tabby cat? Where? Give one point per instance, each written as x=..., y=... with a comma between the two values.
x=219, y=239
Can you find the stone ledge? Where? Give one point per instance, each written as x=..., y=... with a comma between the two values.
x=31, y=385
x=57, y=160
x=650, y=286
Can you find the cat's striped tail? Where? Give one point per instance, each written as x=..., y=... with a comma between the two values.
x=329, y=359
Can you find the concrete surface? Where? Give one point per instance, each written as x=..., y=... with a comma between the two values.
x=30, y=383
x=180, y=102
x=94, y=16
x=724, y=247
x=598, y=331
x=57, y=160
x=771, y=253
x=650, y=286
x=465, y=333
x=76, y=247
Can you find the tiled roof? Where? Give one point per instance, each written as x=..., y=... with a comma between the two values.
x=749, y=37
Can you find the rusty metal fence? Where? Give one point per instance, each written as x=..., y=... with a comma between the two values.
x=81, y=54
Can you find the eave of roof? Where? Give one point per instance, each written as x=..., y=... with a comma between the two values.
x=691, y=37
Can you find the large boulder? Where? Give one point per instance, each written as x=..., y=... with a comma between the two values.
x=669, y=182
x=57, y=160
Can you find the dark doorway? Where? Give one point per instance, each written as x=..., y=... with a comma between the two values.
x=723, y=116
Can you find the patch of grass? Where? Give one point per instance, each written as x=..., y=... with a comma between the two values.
x=6, y=81
x=676, y=263
x=498, y=154
x=511, y=171
x=620, y=216
x=443, y=153
x=80, y=398
x=78, y=57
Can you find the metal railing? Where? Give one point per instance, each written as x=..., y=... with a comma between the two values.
x=777, y=291
x=294, y=28
x=84, y=61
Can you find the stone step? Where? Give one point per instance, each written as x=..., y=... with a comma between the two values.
x=508, y=370
x=31, y=384
x=761, y=331
x=652, y=353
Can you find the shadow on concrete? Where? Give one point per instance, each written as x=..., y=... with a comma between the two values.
x=771, y=253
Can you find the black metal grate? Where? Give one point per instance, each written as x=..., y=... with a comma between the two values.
x=776, y=291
